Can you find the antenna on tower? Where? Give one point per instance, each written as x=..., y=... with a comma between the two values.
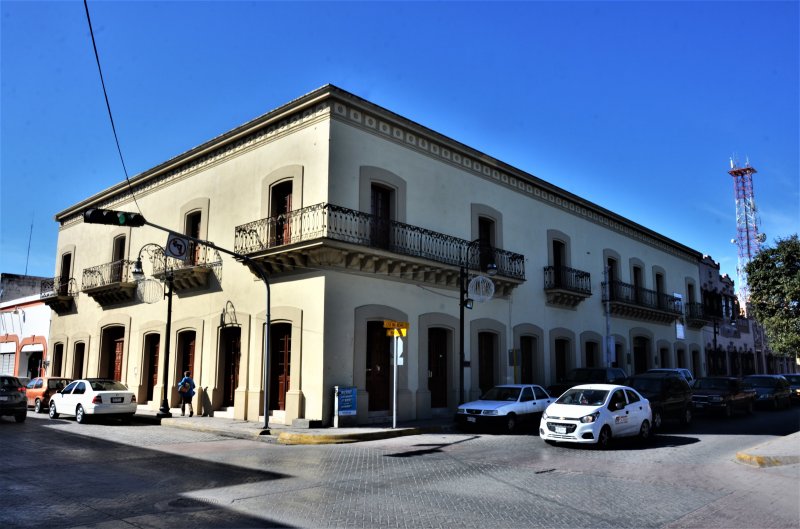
x=748, y=239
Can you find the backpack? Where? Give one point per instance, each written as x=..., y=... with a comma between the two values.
x=184, y=388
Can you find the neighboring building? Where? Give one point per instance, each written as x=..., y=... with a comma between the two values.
x=735, y=345
x=360, y=215
x=24, y=326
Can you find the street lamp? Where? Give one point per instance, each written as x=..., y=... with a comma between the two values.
x=465, y=302
x=138, y=274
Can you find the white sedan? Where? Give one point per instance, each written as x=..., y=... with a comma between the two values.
x=94, y=396
x=505, y=406
x=595, y=413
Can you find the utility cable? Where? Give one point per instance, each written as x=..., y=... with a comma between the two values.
x=108, y=105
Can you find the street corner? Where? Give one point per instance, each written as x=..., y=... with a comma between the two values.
x=757, y=460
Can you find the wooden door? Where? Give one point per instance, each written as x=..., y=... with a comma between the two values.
x=153, y=345
x=486, y=357
x=280, y=360
x=437, y=366
x=380, y=225
x=118, y=347
x=231, y=345
x=378, y=368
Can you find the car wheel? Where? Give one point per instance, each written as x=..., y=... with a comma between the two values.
x=686, y=419
x=80, y=415
x=53, y=413
x=657, y=419
x=604, y=438
x=511, y=423
x=37, y=406
x=20, y=417
x=644, y=431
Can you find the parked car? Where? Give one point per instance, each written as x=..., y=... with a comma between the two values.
x=682, y=371
x=669, y=394
x=94, y=396
x=722, y=395
x=596, y=413
x=40, y=389
x=12, y=398
x=588, y=375
x=505, y=406
x=771, y=390
x=794, y=385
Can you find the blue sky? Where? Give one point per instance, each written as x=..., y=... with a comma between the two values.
x=635, y=106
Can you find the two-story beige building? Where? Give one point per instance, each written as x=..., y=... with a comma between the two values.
x=359, y=215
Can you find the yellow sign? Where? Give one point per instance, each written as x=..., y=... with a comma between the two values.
x=396, y=332
x=391, y=324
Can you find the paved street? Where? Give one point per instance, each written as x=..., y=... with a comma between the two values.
x=62, y=474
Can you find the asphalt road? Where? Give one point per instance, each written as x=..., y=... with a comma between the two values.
x=62, y=474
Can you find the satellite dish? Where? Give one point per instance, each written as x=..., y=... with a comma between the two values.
x=480, y=288
x=149, y=291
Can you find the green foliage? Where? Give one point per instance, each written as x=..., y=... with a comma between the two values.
x=774, y=283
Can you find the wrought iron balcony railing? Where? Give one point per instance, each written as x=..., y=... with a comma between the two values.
x=199, y=255
x=107, y=274
x=568, y=279
x=332, y=222
x=642, y=298
x=58, y=287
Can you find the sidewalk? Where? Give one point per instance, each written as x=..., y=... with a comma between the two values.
x=779, y=451
x=288, y=435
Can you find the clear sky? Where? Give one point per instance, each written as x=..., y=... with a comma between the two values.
x=635, y=106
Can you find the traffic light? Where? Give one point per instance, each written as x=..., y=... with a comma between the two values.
x=114, y=218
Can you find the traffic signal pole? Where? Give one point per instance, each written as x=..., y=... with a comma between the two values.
x=135, y=220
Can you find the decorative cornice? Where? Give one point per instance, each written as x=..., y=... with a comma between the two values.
x=330, y=102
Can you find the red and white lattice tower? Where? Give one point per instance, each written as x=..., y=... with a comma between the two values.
x=748, y=239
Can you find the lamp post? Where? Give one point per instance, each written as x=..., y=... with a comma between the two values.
x=138, y=274
x=465, y=302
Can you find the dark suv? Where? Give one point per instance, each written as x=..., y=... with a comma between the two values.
x=669, y=394
x=771, y=390
x=723, y=395
x=588, y=375
x=12, y=398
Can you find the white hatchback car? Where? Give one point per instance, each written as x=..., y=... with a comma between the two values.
x=94, y=396
x=595, y=413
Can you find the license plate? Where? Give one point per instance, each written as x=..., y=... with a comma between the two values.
x=3, y=398
x=470, y=419
x=561, y=429
x=117, y=399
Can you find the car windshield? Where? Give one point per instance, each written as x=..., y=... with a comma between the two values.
x=502, y=393
x=108, y=385
x=583, y=397
x=645, y=385
x=711, y=383
x=587, y=375
x=793, y=379
x=760, y=382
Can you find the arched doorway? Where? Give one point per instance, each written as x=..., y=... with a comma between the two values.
x=112, y=347
x=77, y=366
x=487, y=350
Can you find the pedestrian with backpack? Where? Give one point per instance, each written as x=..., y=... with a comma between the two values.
x=186, y=391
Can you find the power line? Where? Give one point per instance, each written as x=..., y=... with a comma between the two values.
x=108, y=105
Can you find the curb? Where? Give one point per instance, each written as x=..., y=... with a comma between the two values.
x=292, y=438
x=766, y=461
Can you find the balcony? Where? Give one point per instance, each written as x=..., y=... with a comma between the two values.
x=326, y=236
x=629, y=301
x=192, y=273
x=59, y=293
x=566, y=287
x=110, y=283
x=696, y=316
